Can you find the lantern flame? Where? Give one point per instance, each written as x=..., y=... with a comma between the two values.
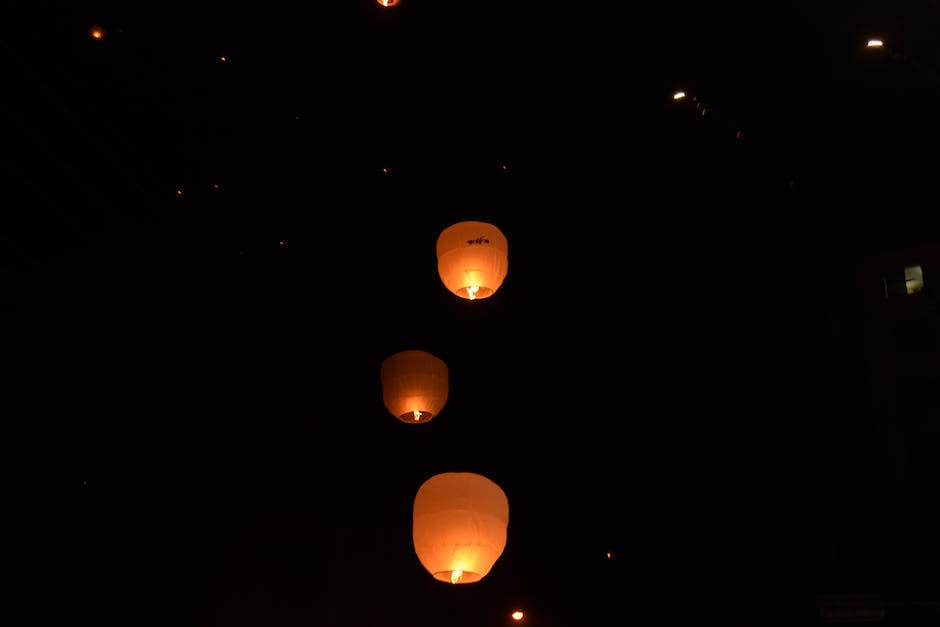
x=472, y=291
x=417, y=415
x=456, y=576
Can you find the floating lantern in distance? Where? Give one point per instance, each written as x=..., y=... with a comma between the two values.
x=459, y=526
x=414, y=385
x=388, y=3
x=472, y=259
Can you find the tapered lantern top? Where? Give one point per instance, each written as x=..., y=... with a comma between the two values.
x=414, y=385
x=459, y=528
x=472, y=259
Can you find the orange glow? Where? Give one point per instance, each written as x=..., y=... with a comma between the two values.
x=608, y=556
x=472, y=259
x=96, y=32
x=875, y=43
x=388, y=3
x=517, y=615
x=679, y=95
x=223, y=58
x=414, y=385
x=459, y=526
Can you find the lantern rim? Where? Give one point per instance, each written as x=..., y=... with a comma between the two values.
x=466, y=577
x=409, y=417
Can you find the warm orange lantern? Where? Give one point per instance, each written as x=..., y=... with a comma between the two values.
x=472, y=259
x=388, y=3
x=459, y=528
x=414, y=385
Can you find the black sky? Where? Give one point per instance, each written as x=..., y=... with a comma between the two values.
x=206, y=261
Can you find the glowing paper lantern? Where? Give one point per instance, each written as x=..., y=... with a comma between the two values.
x=472, y=259
x=459, y=527
x=388, y=3
x=414, y=385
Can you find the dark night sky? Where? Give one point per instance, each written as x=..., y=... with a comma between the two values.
x=202, y=439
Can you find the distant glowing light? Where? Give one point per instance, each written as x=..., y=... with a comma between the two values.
x=388, y=3
x=679, y=95
x=179, y=191
x=517, y=615
x=875, y=43
x=223, y=58
x=96, y=32
x=608, y=555
x=282, y=243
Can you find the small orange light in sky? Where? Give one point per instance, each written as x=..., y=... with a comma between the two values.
x=388, y=3
x=679, y=95
x=517, y=615
x=96, y=32
x=223, y=58
x=875, y=43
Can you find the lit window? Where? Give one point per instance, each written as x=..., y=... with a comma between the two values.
x=910, y=281
x=913, y=279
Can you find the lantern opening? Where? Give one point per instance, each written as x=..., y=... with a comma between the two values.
x=457, y=576
x=416, y=416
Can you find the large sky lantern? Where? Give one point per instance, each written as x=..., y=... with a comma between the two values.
x=459, y=526
x=414, y=385
x=472, y=259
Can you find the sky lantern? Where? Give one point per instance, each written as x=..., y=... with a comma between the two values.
x=414, y=385
x=459, y=526
x=388, y=3
x=472, y=259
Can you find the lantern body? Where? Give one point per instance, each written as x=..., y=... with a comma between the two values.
x=414, y=385
x=472, y=259
x=459, y=526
